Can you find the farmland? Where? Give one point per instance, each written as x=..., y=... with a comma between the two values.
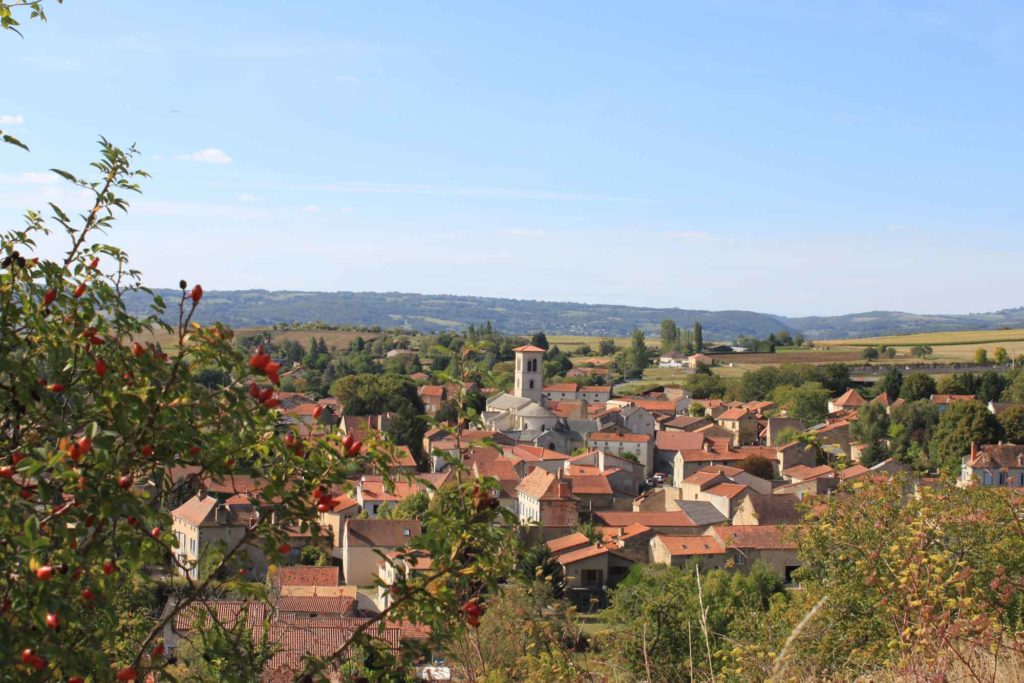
x=949, y=347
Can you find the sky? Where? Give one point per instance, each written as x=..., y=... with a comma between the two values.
x=788, y=157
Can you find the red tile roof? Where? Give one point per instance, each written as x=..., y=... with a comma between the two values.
x=851, y=399
x=317, y=604
x=755, y=537
x=946, y=399
x=805, y=473
x=542, y=485
x=227, y=613
x=678, y=441
x=563, y=388
x=590, y=485
x=529, y=348
x=569, y=542
x=691, y=545
x=735, y=414
x=727, y=490
x=581, y=554
x=650, y=519
x=381, y=533
x=195, y=510
x=307, y=576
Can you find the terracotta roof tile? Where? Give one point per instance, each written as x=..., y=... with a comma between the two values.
x=581, y=554
x=691, y=545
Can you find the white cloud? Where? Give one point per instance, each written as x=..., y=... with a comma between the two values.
x=688, y=235
x=347, y=78
x=311, y=208
x=211, y=155
x=51, y=63
x=248, y=198
x=457, y=191
x=521, y=232
x=11, y=119
x=29, y=178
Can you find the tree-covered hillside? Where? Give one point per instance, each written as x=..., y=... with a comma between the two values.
x=434, y=313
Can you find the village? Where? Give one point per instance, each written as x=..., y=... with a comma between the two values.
x=601, y=481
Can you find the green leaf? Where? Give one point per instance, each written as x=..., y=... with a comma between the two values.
x=11, y=140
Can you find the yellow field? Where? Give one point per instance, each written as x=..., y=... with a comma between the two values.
x=976, y=337
x=951, y=347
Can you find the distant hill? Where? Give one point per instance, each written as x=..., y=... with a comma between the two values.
x=881, y=323
x=429, y=313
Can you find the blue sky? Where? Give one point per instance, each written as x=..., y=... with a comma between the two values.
x=787, y=157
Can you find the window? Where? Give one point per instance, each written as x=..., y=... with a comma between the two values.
x=740, y=558
x=592, y=577
x=531, y=384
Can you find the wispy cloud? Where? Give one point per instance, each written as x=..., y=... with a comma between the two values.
x=248, y=198
x=211, y=155
x=348, y=78
x=11, y=119
x=521, y=232
x=688, y=235
x=51, y=63
x=311, y=208
x=29, y=178
x=459, y=191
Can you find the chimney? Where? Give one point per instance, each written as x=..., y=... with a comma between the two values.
x=974, y=450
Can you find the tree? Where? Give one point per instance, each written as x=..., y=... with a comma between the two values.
x=757, y=385
x=980, y=357
x=759, y=466
x=921, y=351
x=540, y=340
x=890, y=383
x=869, y=353
x=375, y=394
x=607, y=347
x=1012, y=422
x=315, y=555
x=910, y=430
x=990, y=387
x=913, y=583
x=698, y=337
x=634, y=360
x=411, y=507
x=1014, y=391
x=95, y=421
x=962, y=424
x=917, y=386
x=655, y=625
x=835, y=377
x=705, y=386
x=871, y=428
x=960, y=383
x=407, y=428
x=807, y=402
x=669, y=336
x=1000, y=356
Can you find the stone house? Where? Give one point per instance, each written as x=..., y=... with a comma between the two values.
x=546, y=499
x=362, y=541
